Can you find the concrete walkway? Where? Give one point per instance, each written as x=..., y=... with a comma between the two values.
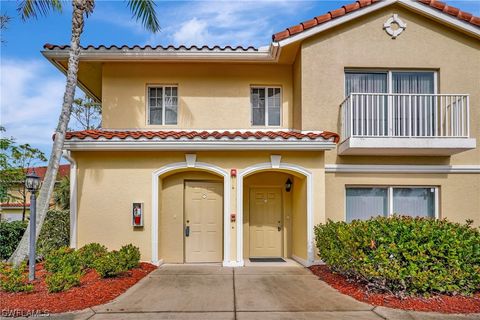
x=212, y=292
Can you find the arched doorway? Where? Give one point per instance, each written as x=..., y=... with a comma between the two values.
x=275, y=222
x=212, y=183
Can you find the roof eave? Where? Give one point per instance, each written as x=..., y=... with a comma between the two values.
x=63, y=70
x=182, y=145
x=101, y=54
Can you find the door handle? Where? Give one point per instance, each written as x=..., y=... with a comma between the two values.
x=187, y=231
x=279, y=228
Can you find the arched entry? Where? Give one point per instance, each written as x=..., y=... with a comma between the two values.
x=193, y=166
x=275, y=166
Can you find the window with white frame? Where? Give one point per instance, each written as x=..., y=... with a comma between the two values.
x=265, y=103
x=162, y=105
x=363, y=203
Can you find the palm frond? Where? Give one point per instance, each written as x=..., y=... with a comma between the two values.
x=33, y=8
x=144, y=10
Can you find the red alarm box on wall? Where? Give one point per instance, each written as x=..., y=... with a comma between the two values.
x=137, y=214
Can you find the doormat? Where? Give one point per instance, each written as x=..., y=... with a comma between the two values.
x=266, y=260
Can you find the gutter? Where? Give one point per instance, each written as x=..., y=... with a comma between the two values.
x=73, y=198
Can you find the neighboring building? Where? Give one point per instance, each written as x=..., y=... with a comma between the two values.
x=13, y=210
x=232, y=153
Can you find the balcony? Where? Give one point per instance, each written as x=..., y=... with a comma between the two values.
x=405, y=124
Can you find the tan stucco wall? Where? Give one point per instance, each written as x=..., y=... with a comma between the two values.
x=363, y=43
x=299, y=218
x=459, y=193
x=211, y=96
x=108, y=183
x=297, y=92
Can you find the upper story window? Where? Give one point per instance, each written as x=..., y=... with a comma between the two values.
x=266, y=102
x=162, y=105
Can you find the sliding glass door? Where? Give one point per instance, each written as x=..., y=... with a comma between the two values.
x=370, y=112
x=392, y=103
x=413, y=113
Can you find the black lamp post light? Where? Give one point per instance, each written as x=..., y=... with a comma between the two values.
x=32, y=183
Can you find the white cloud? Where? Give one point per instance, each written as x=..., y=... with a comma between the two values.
x=31, y=97
x=224, y=22
x=192, y=32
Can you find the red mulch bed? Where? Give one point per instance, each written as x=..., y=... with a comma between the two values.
x=439, y=303
x=92, y=291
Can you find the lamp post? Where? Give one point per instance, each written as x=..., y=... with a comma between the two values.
x=32, y=183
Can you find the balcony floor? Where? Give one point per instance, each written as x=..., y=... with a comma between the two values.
x=405, y=146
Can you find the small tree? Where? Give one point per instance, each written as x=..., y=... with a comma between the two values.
x=14, y=164
x=86, y=113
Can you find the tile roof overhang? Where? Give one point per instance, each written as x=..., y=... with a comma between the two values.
x=434, y=9
x=200, y=140
x=164, y=53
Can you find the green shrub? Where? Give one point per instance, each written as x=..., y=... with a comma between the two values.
x=14, y=279
x=404, y=255
x=63, y=259
x=10, y=235
x=62, y=280
x=65, y=268
x=110, y=265
x=89, y=253
x=55, y=232
x=129, y=256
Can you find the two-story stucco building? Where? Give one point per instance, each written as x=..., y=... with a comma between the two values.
x=231, y=153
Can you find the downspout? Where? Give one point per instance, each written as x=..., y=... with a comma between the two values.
x=73, y=198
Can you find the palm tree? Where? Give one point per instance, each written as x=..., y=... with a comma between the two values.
x=143, y=10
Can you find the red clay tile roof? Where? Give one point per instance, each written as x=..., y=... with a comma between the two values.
x=105, y=134
x=13, y=205
x=441, y=6
x=63, y=170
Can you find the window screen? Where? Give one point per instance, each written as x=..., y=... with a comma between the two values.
x=416, y=202
x=364, y=203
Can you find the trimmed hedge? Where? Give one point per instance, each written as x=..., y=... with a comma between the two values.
x=90, y=253
x=115, y=262
x=10, y=235
x=404, y=255
x=65, y=269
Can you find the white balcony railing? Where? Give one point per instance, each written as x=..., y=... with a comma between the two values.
x=405, y=115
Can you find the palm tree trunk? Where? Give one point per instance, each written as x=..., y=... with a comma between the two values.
x=79, y=10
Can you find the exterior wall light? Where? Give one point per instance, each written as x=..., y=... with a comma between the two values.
x=288, y=185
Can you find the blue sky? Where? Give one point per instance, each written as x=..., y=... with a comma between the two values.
x=32, y=89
